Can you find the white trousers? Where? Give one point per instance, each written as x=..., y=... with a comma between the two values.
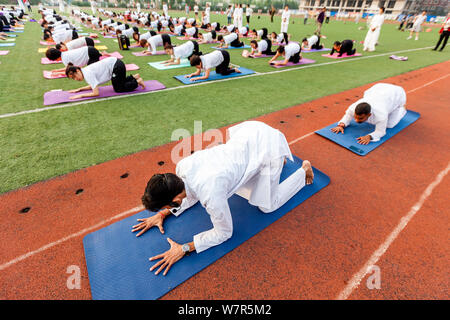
x=371, y=39
x=265, y=190
x=395, y=117
x=284, y=26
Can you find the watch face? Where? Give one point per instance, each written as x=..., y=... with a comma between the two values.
x=185, y=248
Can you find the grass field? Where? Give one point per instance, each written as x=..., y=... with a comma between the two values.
x=38, y=146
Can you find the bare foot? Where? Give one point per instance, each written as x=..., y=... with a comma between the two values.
x=306, y=165
x=136, y=76
x=141, y=82
x=237, y=70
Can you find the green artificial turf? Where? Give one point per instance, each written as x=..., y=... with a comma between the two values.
x=42, y=145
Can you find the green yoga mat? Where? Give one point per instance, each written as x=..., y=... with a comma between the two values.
x=160, y=66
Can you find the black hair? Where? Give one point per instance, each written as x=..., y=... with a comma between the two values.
x=47, y=36
x=280, y=49
x=382, y=8
x=219, y=37
x=362, y=108
x=53, y=54
x=337, y=43
x=304, y=39
x=71, y=69
x=160, y=191
x=153, y=33
x=254, y=42
x=136, y=30
x=168, y=46
x=195, y=60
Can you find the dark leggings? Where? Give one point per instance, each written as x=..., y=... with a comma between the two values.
x=94, y=55
x=89, y=42
x=119, y=79
x=223, y=68
x=317, y=45
x=268, y=51
x=236, y=43
x=444, y=36
x=295, y=58
x=165, y=39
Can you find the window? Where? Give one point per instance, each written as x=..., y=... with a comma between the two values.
x=360, y=3
x=328, y=3
x=322, y=3
x=368, y=3
x=381, y=3
x=391, y=4
x=351, y=3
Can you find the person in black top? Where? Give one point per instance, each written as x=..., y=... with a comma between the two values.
x=345, y=46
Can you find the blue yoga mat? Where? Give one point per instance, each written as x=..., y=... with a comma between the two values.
x=7, y=44
x=355, y=130
x=214, y=76
x=246, y=46
x=117, y=261
x=14, y=31
x=12, y=35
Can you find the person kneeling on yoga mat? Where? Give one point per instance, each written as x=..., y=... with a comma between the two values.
x=231, y=40
x=345, y=46
x=383, y=105
x=219, y=59
x=78, y=57
x=186, y=50
x=263, y=47
x=311, y=43
x=290, y=52
x=249, y=164
x=159, y=40
x=100, y=72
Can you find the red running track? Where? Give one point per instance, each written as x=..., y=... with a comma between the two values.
x=311, y=253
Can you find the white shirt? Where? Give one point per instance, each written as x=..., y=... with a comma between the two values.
x=77, y=43
x=312, y=40
x=145, y=36
x=230, y=38
x=183, y=51
x=383, y=99
x=207, y=37
x=128, y=32
x=248, y=11
x=420, y=19
x=377, y=21
x=190, y=31
x=211, y=60
x=230, y=28
x=291, y=49
x=262, y=45
x=79, y=57
x=285, y=15
x=213, y=175
x=259, y=33
x=63, y=36
x=99, y=72
x=177, y=29
x=154, y=42
x=243, y=30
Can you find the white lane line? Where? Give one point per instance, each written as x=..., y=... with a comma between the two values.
x=136, y=209
x=68, y=105
x=73, y=235
x=431, y=82
x=357, y=277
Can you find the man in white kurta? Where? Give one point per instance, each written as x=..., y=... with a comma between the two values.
x=249, y=164
x=374, y=31
x=387, y=108
x=236, y=16
x=285, y=19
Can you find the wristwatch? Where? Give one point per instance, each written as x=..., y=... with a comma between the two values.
x=174, y=210
x=186, y=248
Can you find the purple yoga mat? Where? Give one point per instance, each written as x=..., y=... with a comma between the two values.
x=315, y=50
x=59, y=96
x=335, y=56
x=48, y=74
x=112, y=54
x=261, y=56
x=4, y=52
x=141, y=54
x=289, y=64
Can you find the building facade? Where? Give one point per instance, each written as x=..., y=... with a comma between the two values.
x=393, y=7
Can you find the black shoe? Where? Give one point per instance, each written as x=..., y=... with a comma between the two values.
x=441, y=49
x=434, y=49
